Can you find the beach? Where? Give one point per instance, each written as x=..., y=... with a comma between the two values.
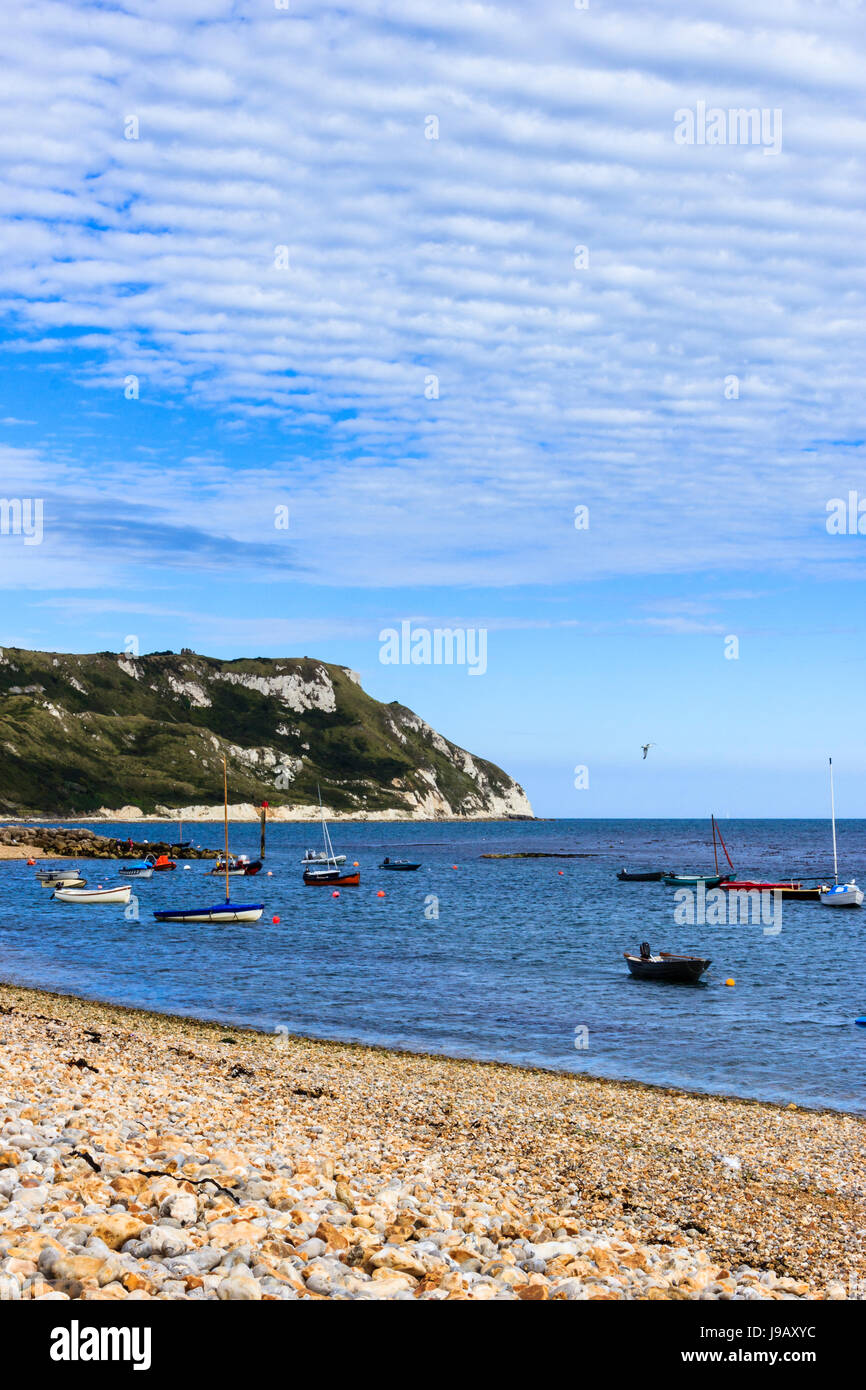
x=147, y=1156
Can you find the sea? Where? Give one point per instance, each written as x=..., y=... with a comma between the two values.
x=514, y=960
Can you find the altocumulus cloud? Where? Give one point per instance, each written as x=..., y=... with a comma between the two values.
x=430, y=325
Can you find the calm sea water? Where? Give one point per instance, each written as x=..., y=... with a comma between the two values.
x=519, y=956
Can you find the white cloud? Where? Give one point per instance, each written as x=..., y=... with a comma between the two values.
x=454, y=257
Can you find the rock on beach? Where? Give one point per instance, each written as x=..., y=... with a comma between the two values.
x=187, y=1167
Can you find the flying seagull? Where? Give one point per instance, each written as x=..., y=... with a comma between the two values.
x=645, y=748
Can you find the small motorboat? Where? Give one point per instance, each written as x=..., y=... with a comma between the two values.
x=647, y=876
x=665, y=965
x=117, y=894
x=239, y=866
x=142, y=868
x=842, y=895
x=219, y=912
x=60, y=878
x=318, y=856
x=162, y=863
x=692, y=880
x=398, y=864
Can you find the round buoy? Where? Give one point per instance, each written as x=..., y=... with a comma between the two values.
x=335, y=894
x=454, y=866
x=561, y=872
x=355, y=864
x=731, y=981
x=270, y=873
x=276, y=921
x=186, y=868
x=381, y=893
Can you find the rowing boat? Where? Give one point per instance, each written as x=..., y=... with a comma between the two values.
x=650, y=876
x=219, y=912
x=118, y=894
x=666, y=966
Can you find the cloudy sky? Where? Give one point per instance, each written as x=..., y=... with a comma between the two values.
x=431, y=276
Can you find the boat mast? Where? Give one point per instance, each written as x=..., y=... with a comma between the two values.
x=715, y=847
x=329, y=848
x=833, y=816
x=226, y=817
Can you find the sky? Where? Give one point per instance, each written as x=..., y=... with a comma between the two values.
x=321, y=319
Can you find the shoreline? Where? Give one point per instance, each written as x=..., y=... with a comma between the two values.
x=531, y=1068
x=226, y=1163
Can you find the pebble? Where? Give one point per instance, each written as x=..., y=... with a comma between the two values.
x=300, y=1170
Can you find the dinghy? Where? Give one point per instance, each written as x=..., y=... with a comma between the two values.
x=708, y=880
x=60, y=878
x=665, y=965
x=841, y=894
x=142, y=868
x=117, y=894
x=218, y=912
x=646, y=876
x=239, y=866
x=398, y=864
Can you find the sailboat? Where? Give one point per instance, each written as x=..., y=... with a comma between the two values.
x=219, y=912
x=841, y=894
x=327, y=872
x=708, y=880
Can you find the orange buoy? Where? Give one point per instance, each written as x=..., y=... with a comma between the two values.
x=381, y=893
x=276, y=921
x=731, y=981
x=335, y=894
x=270, y=873
x=354, y=864
x=561, y=872
x=454, y=866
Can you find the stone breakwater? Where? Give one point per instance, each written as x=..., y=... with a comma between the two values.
x=144, y=1156
x=74, y=842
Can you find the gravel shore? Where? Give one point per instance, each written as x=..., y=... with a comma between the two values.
x=145, y=1156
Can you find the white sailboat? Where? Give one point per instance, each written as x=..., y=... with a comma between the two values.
x=841, y=894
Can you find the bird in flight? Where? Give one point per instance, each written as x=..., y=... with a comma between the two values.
x=645, y=748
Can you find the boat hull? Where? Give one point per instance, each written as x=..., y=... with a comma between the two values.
x=665, y=966
x=139, y=873
x=399, y=868
x=62, y=881
x=654, y=876
x=334, y=879
x=692, y=880
x=846, y=895
x=219, y=912
x=94, y=895
x=790, y=890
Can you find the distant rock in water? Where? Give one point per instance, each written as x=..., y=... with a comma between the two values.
x=124, y=736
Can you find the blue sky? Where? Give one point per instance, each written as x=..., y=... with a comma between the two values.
x=284, y=261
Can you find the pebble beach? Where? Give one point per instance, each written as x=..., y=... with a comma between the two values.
x=144, y=1156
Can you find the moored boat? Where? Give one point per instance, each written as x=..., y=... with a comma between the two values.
x=641, y=876
x=142, y=868
x=60, y=878
x=239, y=866
x=790, y=889
x=163, y=864
x=398, y=864
x=841, y=894
x=326, y=872
x=219, y=912
x=119, y=893
x=692, y=880
x=665, y=965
